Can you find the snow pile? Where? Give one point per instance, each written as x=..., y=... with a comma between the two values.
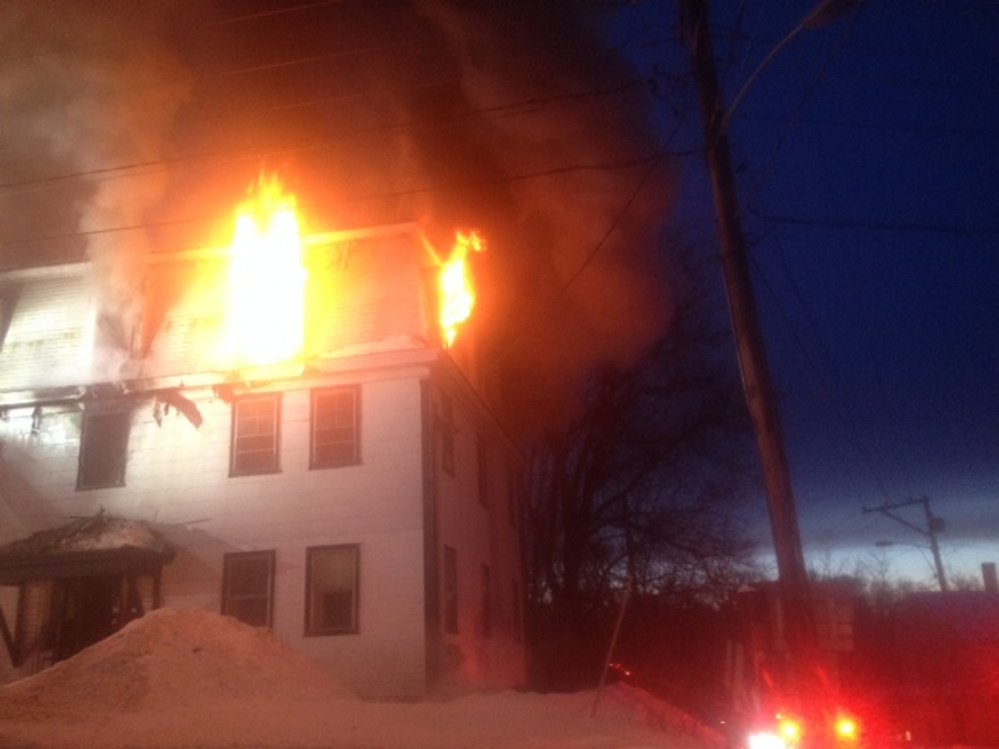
x=170, y=658
x=190, y=678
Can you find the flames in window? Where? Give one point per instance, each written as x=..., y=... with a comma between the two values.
x=265, y=308
x=265, y=311
x=456, y=288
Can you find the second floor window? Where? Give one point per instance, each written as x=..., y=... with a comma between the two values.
x=103, y=448
x=336, y=427
x=255, y=435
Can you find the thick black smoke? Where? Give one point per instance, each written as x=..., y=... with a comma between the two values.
x=514, y=118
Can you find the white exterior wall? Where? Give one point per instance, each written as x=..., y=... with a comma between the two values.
x=177, y=476
x=481, y=535
x=372, y=307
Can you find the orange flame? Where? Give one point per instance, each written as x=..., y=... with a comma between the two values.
x=456, y=290
x=265, y=316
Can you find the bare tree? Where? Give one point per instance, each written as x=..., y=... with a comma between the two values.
x=643, y=486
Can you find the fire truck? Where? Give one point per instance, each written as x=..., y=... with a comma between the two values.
x=769, y=707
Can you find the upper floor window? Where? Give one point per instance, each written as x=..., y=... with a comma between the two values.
x=248, y=587
x=103, y=448
x=255, y=435
x=7, y=296
x=518, y=623
x=331, y=598
x=487, y=602
x=512, y=496
x=450, y=589
x=336, y=427
x=447, y=435
x=482, y=463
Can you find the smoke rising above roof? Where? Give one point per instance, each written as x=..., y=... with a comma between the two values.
x=515, y=120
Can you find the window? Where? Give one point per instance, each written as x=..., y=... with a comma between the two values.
x=482, y=462
x=518, y=626
x=447, y=435
x=331, y=581
x=248, y=587
x=512, y=497
x=255, y=435
x=7, y=299
x=336, y=433
x=487, y=602
x=450, y=590
x=103, y=447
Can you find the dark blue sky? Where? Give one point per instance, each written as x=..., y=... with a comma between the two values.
x=867, y=154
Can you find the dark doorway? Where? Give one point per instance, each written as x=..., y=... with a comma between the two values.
x=85, y=611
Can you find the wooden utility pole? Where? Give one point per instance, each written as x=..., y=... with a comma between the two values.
x=758, y=388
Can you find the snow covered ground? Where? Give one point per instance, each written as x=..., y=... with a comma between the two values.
x=195, y=679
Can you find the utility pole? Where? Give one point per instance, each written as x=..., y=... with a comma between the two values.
x=934, y=525
x=758, y=388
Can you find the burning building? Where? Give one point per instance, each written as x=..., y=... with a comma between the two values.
x=286, y=431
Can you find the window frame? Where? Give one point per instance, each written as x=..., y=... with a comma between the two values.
x=228, y=561
x=482, y=469
x=449, y=589
x=447, y=434
x=513, y=497
x=274, y=465
x=355, y=626
x=8, y=301
x=487, y=601
x=117, y=441
x=355, y=427
x=517, y=611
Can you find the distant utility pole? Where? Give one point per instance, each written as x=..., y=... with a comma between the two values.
x=759, y=393
x=934, y=525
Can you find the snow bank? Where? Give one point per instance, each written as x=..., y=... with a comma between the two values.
x=190, y=678
x=170, y=658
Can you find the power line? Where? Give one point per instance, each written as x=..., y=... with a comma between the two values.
x=624, y=163
x=886, y=226
x=818, y=372
x=881, y=126
x=139, y=168
x=525, y=330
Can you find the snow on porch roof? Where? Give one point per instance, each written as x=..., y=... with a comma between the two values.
x=98, y=545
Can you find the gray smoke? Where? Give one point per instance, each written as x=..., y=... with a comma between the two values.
x=513, y=118
x=89, y=94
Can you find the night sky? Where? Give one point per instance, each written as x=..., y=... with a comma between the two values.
x=867, y=154
x=868, y=172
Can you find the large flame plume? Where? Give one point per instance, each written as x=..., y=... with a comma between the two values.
x=456, y=288
x=265, y=312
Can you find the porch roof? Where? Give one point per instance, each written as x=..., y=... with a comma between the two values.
x=90, y=546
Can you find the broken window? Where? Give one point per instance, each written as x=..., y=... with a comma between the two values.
x=450, y=590
x=248, y=587
x=103, y=448
x=331, y=581
x=336, y=431
x=255, y=435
